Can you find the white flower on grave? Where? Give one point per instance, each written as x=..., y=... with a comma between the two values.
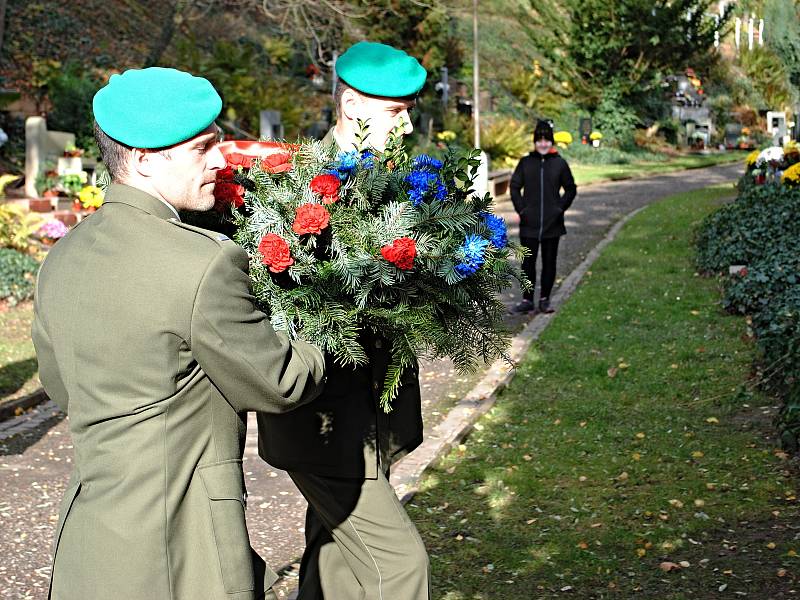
x=773, y=154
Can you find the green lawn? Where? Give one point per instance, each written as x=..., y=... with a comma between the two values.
x=586, y=173
x=18, y=369
x=629, y=438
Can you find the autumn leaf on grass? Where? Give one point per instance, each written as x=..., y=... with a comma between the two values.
x=667, y=566
x=612, y=372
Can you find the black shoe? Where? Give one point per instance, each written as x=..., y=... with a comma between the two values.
x=544, y=306
x=524, y=306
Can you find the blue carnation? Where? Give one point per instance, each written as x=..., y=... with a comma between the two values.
x=346, y=163
x=421, y=182
x=367, y=159
x=473, y=249
x=441, y=191
x=497, y=229
x=423, y=161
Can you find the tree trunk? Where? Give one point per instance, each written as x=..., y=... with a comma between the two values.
x=177, y=7
x=2, y=22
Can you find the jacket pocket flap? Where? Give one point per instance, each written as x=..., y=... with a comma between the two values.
x=223, y=481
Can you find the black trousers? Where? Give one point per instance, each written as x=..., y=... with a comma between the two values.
x=360, y=543
x=549, y=258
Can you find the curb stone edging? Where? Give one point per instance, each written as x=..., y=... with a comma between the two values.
x=460, y=420
x=9, y=409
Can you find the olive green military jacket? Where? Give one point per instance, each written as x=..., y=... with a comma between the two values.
x=147, y=336
x=344, y=432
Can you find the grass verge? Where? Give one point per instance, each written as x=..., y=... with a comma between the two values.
x=588, y=173
x=18, y=367
x=629, y=442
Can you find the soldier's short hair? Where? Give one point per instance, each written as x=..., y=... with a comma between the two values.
x=339, y=89
x=114, y=154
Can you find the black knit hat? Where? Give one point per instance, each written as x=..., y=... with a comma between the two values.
x=543, y=131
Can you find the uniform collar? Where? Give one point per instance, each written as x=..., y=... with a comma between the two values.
x=330, y=139
x=124, y=194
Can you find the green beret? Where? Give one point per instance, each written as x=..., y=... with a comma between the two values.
x=155, y=107
x=380, y=70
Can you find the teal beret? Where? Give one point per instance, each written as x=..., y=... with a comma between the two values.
x=380, y=70
x=155, y=107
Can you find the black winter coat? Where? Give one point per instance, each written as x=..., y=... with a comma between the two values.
x=541, y=207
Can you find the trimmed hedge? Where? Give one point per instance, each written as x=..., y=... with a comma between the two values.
x=760, y=224
x=761, y=230
x=17, y=276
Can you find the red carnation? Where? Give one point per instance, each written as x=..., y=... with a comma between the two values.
x=226, y=193
x=310, y=218
x=327, y=186
x=235, y=159
x=279, y=162
x=401, y=253
x=225, y=174
x=275, y=253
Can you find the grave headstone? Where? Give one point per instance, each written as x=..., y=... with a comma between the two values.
x=271, y=125
x=41, y=146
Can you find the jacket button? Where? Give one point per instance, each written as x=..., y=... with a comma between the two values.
x=378, y=344
x=376, y=386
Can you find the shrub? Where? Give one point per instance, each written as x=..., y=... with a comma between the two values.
x=17, y=276
x=505, y=141
x=760, y=230
x=762, y=222
x=17, y=226
x=606, y=155
x=71, y=92
x=614, y=117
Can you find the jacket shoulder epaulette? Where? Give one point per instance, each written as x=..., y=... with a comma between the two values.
x=219, y=238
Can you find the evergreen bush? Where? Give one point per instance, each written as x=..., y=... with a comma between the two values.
x=17, y=276
x=760, y=231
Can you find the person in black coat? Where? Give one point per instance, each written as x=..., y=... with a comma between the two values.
x=536, y=191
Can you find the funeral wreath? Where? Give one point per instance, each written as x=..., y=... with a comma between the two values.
x=345, y=242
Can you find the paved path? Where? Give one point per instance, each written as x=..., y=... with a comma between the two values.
x=35, y=450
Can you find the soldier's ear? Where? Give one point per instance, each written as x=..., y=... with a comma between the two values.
x=351, y=101
x=142, y=162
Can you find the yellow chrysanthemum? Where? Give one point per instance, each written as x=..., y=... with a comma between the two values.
x=91, y=196
x=446, y=136
x=791, y=176
x=595, y=135
x=562, y=137
x=752, y=158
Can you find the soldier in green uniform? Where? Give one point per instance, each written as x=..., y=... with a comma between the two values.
x=148, y=337
x=360, y=543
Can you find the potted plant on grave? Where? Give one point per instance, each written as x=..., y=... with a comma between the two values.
x=72, y=151
x=90, y=198
x=72, y=183
x=51, y=231
x=47, y=184
x=562, y=139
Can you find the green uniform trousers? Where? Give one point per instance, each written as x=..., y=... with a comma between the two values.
x=360, y=543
